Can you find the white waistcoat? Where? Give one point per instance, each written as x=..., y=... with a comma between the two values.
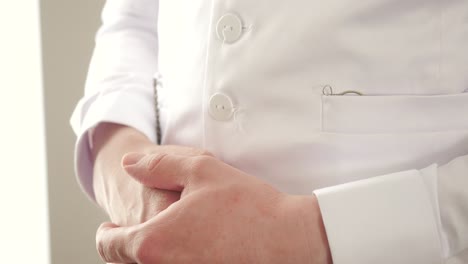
x=245, y=80
x=265, y=86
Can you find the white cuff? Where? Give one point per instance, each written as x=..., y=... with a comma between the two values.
x=388, y=219
x=132, y=108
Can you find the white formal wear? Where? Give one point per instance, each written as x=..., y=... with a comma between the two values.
x=264, y=86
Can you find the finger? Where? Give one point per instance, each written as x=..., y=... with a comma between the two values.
x=133, y=157
x=173, y=172
x=181, y=150
x=114, y=243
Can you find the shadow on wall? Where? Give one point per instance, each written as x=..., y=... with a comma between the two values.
x=68, y=29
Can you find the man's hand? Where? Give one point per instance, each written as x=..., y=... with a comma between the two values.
x=126, y=201
x=223, y=216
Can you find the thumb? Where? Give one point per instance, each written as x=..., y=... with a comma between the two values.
x=159, y=170
x=169, y=171
x=132, y=158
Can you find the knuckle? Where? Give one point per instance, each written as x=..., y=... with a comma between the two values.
x=190, y=151
x=206, y=153
x=154, y=160
x=201, y=164
x=101, y=246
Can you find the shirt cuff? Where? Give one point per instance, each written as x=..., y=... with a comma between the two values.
x=387, y=219
x=133, y=108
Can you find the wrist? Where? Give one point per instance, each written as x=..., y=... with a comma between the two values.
x=111, y=142
x=115, y=139
x=310, y=229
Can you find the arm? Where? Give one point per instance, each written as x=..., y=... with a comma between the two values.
x=125, y=200
x=116, y=115
x=120, y=79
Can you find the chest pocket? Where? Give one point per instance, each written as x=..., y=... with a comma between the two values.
x=394, y=114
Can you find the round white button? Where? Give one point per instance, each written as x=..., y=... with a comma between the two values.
x=221, y=107
x=229, y=28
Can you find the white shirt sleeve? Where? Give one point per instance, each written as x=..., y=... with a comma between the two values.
x=119, y=86
x=410, y=217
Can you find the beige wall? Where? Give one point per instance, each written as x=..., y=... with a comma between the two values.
x=68, y=28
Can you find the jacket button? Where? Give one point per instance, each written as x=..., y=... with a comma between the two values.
x=221, y=107
x=229, y=28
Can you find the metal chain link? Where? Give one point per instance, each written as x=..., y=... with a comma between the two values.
x=156, y=111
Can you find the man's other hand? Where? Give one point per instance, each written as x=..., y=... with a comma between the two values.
x=224, y=216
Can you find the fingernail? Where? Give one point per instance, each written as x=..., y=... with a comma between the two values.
x=132, y=158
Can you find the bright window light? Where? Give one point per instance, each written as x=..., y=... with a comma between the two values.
x=23, y=193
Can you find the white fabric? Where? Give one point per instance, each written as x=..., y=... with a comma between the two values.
x=363, y=222
x=410, y=126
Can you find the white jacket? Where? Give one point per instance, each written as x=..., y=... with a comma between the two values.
x=262, y=85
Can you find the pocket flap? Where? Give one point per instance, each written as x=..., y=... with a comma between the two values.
x=394, y=114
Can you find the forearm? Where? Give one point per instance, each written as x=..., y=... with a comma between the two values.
x=111, y=142
x=125, y=200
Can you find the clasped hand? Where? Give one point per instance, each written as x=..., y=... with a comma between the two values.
x=223, y=216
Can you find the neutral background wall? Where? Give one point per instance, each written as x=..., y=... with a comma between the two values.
x=68, y=29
